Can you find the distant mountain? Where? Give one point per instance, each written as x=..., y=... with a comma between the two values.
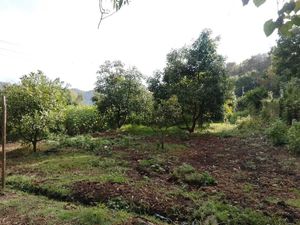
x=87, y=95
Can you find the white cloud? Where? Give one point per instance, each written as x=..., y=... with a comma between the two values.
x=61, y=37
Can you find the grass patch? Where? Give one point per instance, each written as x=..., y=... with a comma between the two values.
x=215, y=212
x=151, y=165
x=188, y=174
x=40, y=210
x=294, y=202
x=248, y=188
x=53, y=176
x=148, y=131
x=137, y=130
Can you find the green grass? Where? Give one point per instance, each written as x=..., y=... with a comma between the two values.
x=137, y=130
x=148, y=131
x=188, y=174
x=53, y=176
x=217, y=128
x=246, y=127
x=41, y=210
x=296, y=201
x=248, y=188
x=216, y=212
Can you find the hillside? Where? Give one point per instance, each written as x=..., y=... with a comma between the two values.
x=87, y=95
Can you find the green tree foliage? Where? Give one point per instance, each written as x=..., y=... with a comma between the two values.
x=252, y=100
x=294, y=137
x=82, y=120
x=286, y=56
x=165, y=114
x=196, y=75
x=290, y=102
x=245, y=83
x=288, y=16
x=278, y=133
x=34, y=106
x=120, y=94
x=157, y=87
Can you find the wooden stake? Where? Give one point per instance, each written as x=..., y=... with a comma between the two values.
x=3, y=142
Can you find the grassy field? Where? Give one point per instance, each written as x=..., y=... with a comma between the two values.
x=218, y=176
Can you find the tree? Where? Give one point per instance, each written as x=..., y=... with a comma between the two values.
x=34, y=106
x=286, y=56
x=245, y=83
x=290, y=102
x=288, y=17
x=120, y=93
x=252, y=100
x=196, y=75
x=157, y=87
x=166, y=114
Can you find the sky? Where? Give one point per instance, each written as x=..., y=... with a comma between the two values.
x=61, y=38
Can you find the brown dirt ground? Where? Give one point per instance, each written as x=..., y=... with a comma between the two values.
x=249, y=172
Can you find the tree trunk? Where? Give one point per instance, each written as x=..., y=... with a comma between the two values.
x=192, y=128
x=34, y=144
x=162, y=140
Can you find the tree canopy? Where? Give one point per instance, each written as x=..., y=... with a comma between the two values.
x=120, y=93
x=34, y=105
x=196, y=75
x=286, y=56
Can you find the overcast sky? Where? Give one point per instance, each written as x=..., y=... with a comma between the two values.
x=60, y=37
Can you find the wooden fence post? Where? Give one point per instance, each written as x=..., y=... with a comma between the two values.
x=3, y=142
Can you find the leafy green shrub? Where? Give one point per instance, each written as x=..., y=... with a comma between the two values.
x=252, y=100
x=270, y=110
x=188, y=174
x=250, y=126
x=294, y=137
x=82, y=120
x=278, y=133
x=237, y=115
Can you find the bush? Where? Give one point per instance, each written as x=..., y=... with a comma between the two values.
x=278, y=133
x=294, y=138
x=237, y=115
x=250, y=126
x=82, y=120
x=270, y=110
x=252, y=100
